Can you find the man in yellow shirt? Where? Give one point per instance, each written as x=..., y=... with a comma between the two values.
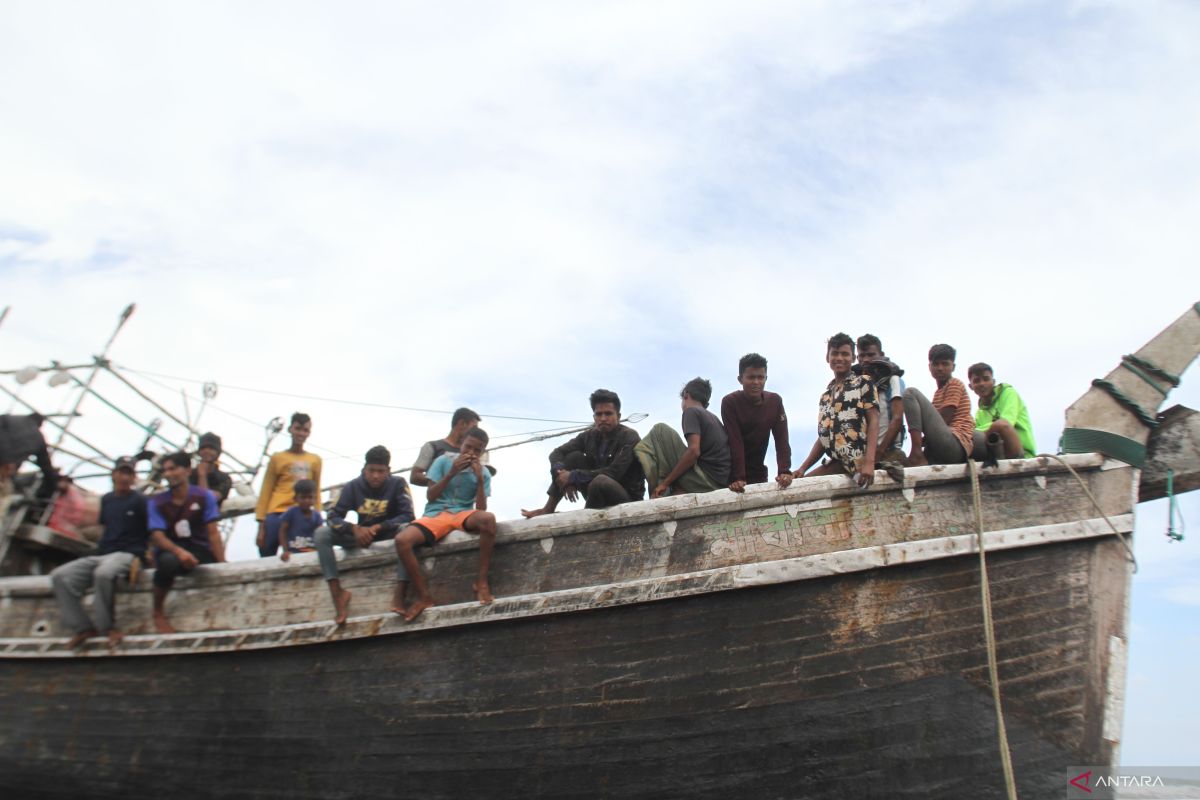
x=277, y=494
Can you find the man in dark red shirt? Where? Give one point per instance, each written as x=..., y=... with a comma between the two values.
x=751, y=416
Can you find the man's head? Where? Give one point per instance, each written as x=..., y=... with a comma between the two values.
x=752, y=375
x=300, y=428
x=305, y=493
x=982, y=382
x=176, y=467
x=378, y=466
x=697, y=389
x=941, y=363
x=474, y=442
x=209, y=448
x=869, y=348
x=123, y=475
x=606, y=410
x=463, y=420
x=839, y=353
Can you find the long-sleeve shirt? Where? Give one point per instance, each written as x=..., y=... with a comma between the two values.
x=390, y=506
x=610, y=455
x=749, y=428
x=283, y=470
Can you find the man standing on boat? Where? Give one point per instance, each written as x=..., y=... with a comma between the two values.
x=847, y=419
x=699, y=465
x=278, y=490
x=462, y=421
x=123, y=515
x=207, y=475
x=598, y=463
x=183, y=530
x=457, y=500
x=383, y=505
x=752, y=415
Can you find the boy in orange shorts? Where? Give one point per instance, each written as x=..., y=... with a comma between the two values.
x=457, y=500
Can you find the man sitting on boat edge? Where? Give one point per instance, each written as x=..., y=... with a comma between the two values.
x=700, y=465
x=123, y=515
x=941, y=430
x=752, y=415
x=461, y=421
x=456, y=501
x=183, y=530
x=383, y=505
x=1001, y=418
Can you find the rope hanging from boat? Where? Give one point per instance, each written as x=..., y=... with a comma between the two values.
x=1096, y=503
x=989, y=630
x=1172, y=509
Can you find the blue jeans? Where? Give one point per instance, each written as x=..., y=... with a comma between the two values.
x=271, y=545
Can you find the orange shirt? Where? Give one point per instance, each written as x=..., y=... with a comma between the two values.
x=954, y=393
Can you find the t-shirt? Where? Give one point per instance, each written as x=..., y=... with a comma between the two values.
x=186, y=522
x=954, y=393
x=842, y=419
x=714, y=444
x=283, y=470
x=301, y=526
x=1008, y=405
x=890, y=389
x=460, y=492
x=218, y=482
x=431, y=450
x=124, y=521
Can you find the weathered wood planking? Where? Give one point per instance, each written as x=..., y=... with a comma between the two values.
x=871, y=684
x=630, y=543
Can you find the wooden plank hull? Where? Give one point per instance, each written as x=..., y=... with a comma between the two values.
x=819, y=642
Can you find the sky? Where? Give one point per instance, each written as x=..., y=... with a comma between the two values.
x=508, y=205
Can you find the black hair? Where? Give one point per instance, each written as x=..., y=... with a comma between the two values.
x=838, y=340
x=750, y=361
x=304, y=486
x=178, y=459
x=463, y=414
x=605, y=396
x=300, y=418
x=379, y=455
x=942, y=352
x=980, y=367
x=477, y=433
x=699, y=390
x=868, y=339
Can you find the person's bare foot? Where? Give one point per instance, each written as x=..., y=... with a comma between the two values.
x=161, y=624
x=80, y=638
x=483, y=592
x=417, y=607
x=398, y=606
x=537, y=512
x=341, y=607
x=115, y=637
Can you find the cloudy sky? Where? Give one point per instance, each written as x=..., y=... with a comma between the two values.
x=509, y=205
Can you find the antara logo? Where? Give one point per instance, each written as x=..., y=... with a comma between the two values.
x=1081, y=781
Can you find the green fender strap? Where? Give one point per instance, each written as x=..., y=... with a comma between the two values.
x=1122, y=448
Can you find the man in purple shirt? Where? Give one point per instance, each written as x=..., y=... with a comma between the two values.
x=751, y=416
x=183, y=530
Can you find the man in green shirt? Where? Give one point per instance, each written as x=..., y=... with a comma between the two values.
x=1001, y=414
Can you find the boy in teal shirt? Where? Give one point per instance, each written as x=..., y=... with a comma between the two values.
x=1001, y=412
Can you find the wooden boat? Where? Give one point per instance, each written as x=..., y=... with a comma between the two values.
x=820, y=641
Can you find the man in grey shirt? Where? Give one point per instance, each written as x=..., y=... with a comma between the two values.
x=700, y=465
x=464, y=419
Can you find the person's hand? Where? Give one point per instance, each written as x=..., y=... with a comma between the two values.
x=562, y=479
x=261, y=540
x=660, y=491
x=477, y=468
x=202, y=468
x=865, y=476
x=571, y=492
x=462, y=462
x=362, y=535
x=537, y=512
x=784, y=479
x=285, y=555
x=186, y=559
x=738, y=486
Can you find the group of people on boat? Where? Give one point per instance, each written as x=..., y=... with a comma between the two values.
x=863, y=418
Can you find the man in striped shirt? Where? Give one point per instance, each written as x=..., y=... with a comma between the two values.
x=941, y=430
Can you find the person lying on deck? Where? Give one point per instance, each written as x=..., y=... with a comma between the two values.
x=941, y=430
x=847, y=419
x=598, y=464
x=183, y=530
x=383, y=504
x=123, y=515
x=1001, y=417
x=457, y=500
x=700, y=465
x=752, y=415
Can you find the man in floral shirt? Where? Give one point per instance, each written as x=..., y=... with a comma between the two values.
x=847, y=419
